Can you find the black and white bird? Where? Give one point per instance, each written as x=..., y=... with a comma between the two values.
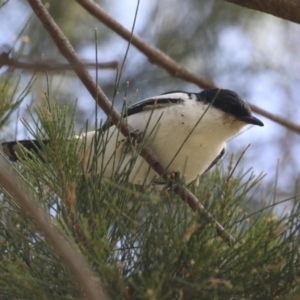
x=188, y=131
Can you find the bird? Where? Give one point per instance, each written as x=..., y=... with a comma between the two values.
x=187, y=130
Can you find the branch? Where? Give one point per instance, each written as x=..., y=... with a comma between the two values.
x=285, y=9
x=42, y=66
x=282, y=121
x=90, y=284
x=151, y=158
x=154, y=54
x=161, y=59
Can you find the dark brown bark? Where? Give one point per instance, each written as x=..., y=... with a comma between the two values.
x=284, y=9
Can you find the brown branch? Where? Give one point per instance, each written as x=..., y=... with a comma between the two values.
x=161, y=59
x=154, y=54
x=280, y=120
x=50, y=66
x=194, y=204
x=152, y=159
x=285, y=9
x=90, y=284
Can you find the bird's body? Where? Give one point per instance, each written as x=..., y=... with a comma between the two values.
x=189, y=131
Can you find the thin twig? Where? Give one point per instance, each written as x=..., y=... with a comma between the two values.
x=280, y=120
x=159, y=58
x=90, y=284
x=152, y=159
x=50, y=66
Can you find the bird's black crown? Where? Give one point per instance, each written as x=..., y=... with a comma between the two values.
x=229, y=102
x=226, y=100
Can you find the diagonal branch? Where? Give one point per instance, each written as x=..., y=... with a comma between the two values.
x=161, y=59
x=154, y=55
x=280, y=120
x=91, y=285
x=288, y=10
x=152, y=159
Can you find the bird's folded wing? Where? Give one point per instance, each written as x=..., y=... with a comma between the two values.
x=161, y=101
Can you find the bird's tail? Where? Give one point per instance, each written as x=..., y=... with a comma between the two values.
x=14, y=152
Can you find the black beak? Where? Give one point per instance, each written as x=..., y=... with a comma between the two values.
x=252, y=120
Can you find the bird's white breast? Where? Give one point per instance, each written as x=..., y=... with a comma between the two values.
x=166, y=133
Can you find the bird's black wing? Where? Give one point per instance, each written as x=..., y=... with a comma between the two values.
x=152, y=103
x=216, y=159
x=148, y=104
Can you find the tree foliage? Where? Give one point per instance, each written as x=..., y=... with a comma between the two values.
x=144, y=245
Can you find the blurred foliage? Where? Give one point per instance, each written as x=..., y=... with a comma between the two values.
x=10, y=96
x=72, y=20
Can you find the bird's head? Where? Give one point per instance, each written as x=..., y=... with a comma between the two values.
x=230, y=103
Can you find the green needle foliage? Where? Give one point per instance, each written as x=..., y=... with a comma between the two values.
x=144, y=245
x=10, y=96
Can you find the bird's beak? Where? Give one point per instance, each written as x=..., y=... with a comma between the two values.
x=252, y=120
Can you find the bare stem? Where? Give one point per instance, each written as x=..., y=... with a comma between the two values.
x=50, y=66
